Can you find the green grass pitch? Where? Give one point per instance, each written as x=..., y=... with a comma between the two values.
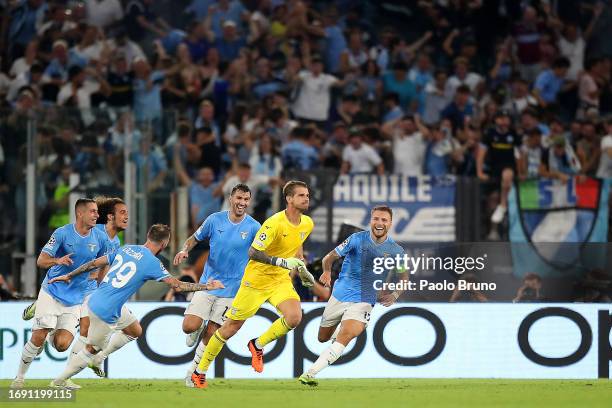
x=377, y=393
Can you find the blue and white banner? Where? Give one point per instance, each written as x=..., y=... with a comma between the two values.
x=461, y=340
x=423, y=207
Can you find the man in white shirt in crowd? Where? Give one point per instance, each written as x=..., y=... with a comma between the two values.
x=360, y=157
x=314, y=96
x=409, y=138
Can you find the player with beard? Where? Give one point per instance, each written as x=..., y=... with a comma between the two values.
x=130, y=267
x=230, y=234
x=276, y=249
x=354, y=294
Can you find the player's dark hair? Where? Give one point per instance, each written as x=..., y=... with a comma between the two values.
x=241, y=187
x=384, y=208
x=106, y=206
x=158, y=233
x=290, y=186
x=82, y=202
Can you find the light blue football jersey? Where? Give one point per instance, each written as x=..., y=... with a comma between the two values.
x=356, y=280
x=66, y=240
x=229, y=250
x=131, y=267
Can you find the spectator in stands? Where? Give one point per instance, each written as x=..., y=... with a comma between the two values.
x=30, y=79
x=120, y=83
x=551, y=82
x=588, y=148
x=605, y=162
x=460, y=110
x=202, y=202
x=520, y=98
x=526, y=34
x=147, y=95
x=589, y=89
x=229, y=43
x=534, y=157
x=562, y=161
x=299, y=154
x=360, y=157
x=435, y=100
x=463, y=78
x=408, y=136
x=210, y=153
x=313, y=100
x=103, y=13
x=26, y=17
x=392, y=109
x=441, y=151
x=264, y=159
x=244, y=175
x=501, y=153
x=151, y=163
x=206, y=118
x=530, y=290
x=60, y=208
x=397, y=81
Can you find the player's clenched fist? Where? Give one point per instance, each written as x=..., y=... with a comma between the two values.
x=325, y=279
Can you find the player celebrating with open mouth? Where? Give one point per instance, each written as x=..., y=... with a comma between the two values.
x=231, y=234
x=276, y=249
x=354, y=295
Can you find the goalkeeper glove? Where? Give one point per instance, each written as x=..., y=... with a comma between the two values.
x=288, y=263
x=306, y=277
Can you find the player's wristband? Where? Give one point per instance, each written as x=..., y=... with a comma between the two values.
x=282, y=262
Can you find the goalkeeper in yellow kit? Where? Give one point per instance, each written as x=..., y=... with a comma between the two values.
x=276, y=250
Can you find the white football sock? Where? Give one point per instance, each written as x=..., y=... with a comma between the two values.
x=336, y=332
x=197, y=357
x=118, y=340
x=29, y=353
x=79, y=345
x=327, y=358
x=75, y=365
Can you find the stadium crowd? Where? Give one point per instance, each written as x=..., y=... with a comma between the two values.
x=212, y=92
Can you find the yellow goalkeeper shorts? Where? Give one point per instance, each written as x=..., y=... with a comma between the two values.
x=248, y=300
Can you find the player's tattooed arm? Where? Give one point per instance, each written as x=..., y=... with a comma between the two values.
x=87, y=266
x=180, y=286
x=261, y=256
x=328, y=261
x=287, y=263
x=184, y=253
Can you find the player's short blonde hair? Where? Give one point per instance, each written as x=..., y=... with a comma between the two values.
x=384, y=208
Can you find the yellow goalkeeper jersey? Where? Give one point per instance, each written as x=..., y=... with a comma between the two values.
x=276, y=237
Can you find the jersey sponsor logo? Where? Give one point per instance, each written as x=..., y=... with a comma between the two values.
x=243, y=234
x=51, y=242
x=92, y=247
x=263, y=236
x=220, y=230
x=284, y=235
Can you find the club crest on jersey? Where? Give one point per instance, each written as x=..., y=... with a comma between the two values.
x=243, y=234
x=302, y=235
x=92, y=247
x=51, y=242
